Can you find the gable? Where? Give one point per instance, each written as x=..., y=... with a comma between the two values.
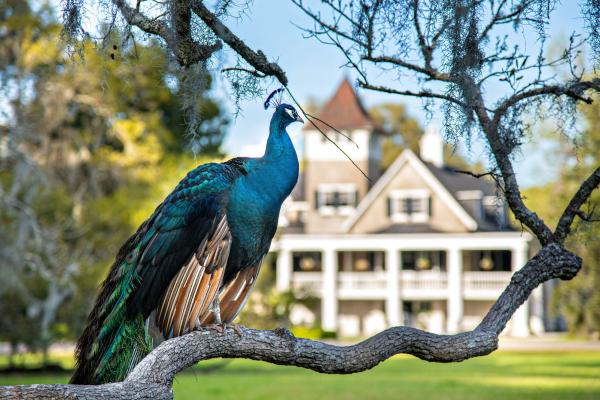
x=408, y=173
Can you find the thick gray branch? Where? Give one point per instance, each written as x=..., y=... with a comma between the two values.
x=186, y=50
x=153, y=376
x=257, y=59
x=579, y=198
x=502, y=154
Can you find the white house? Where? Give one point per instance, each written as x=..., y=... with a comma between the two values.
x=422, y=245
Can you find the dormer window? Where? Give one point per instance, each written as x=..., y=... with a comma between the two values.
x=411, y=205
x=493, y=208
x=336, y=199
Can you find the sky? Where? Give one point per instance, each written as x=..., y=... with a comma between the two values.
x=314, y=70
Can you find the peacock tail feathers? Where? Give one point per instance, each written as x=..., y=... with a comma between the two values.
x=113, y=341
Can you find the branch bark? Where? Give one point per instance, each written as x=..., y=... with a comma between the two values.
x=186, y=50
x=256, y=59
x=153, y=377
x=582, y=195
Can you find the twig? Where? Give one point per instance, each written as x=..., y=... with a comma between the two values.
x=252, y=72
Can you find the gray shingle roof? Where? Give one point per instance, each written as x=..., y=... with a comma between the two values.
x=456, y=182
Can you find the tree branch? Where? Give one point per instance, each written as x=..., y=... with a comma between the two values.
x=422, y=93
x=429, y=71
x=574, y=90
x=329, y=27
x=573, y=208
x=153, y=376
x=499, y=18
x=501, y=153
x=426, y=50
x=257, y=59
x=186, y=50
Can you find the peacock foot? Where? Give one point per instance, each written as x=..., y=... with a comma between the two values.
x=237, y=328
x=216, y=327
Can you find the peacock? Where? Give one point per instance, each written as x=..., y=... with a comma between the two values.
x=194, y=261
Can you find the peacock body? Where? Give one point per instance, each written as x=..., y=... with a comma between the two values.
x=194, y=262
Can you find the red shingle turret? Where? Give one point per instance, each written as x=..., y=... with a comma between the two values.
x=344, y=111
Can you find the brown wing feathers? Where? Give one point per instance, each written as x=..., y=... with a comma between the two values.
x=195, y=286
x=233, y=297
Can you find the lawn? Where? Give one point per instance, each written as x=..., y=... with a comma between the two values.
x=503, y=375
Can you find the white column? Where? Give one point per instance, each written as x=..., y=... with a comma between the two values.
x=455, y=297
x=329, y=301
x=536, y=320
x=392, y=300
x=284, y=270
x=520, y=326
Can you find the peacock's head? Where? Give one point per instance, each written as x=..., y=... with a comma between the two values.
x=284, y=114
x=287, y=114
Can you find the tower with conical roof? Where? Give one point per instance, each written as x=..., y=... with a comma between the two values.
x=332, y=185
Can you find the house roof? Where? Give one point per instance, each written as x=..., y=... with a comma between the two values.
x=409, y=228
x=457, y=182
x=344, y=111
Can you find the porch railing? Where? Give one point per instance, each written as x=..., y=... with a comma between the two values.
x=485, y=284
x=423, y=280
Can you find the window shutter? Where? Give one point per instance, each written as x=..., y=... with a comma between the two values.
x=389, y=206
x=429, y=206
x=317, y=205
x=409, y=201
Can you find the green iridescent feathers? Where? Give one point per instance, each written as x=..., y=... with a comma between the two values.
x=116, y=337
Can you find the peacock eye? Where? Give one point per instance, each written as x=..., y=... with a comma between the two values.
x=289, y=112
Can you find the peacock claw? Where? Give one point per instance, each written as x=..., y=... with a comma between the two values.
x=237, y=328
x=217, y=327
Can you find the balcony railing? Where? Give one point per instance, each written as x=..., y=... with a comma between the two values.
x=361, y=285
x=484, y=285
x=423, y=284
x=307, y=283
x=416, y=285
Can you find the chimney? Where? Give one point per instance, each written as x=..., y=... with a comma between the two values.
x=432, y=147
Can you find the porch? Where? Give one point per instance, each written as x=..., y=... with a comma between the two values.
x=449, y=269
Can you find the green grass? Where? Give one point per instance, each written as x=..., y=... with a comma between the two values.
x=503, y=375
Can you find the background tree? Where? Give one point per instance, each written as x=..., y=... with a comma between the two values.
x=402, y=131
x=86, y=152
x=578, y=300
x=460, y=48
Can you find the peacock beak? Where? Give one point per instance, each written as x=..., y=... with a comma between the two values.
x=299, y=118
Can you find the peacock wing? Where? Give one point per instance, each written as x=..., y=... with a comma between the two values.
x=196, y=285
x=235, y=294
x=184, y=246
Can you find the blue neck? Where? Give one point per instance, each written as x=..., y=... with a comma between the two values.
x=279, y=143
x=280, y=158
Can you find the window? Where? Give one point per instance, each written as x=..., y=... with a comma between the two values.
x=487, y=260
x=409, y=205
x=493, y=208
x=424, y=260
x=336, y=199
x=361, y=261
x=306, y=261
